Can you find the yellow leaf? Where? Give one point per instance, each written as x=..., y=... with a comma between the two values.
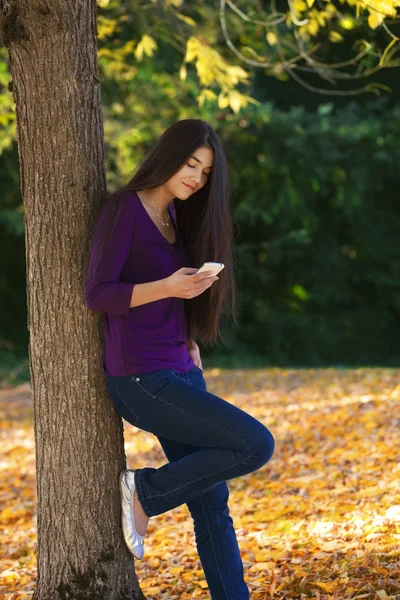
x=299, y=6
x=236, y=72
x=205, y=70
x=183, y=72
x=146, y=46
x=261, y=556
x=149, y=45
x=152, y=590
x=262, y=566
x=192, y=49
x=105, y=27
x=235, y=101
x=205, y=95
x=186, y=19
x=335, y=37
x=139, y=52
x=126, y=49
x=203, y=584
x=375, y=19
x=310, y=3
x=223, y=101
x=271, y=38
x=211, y=67
x=9, y=575
x=327, y=586
x=313, y=27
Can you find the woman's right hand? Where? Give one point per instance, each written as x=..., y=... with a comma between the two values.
x=182, y=283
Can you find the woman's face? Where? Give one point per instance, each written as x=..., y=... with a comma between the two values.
x=193, y=175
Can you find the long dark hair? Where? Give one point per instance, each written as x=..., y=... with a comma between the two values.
x=204, y=220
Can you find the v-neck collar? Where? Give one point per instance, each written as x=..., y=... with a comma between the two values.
x=170, y=244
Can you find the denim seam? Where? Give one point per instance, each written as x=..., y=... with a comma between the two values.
x=142, y=388
x=221, y=549
x=212, y=473
x=128, y=408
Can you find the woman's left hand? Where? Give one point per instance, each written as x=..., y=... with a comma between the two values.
x=195, y=354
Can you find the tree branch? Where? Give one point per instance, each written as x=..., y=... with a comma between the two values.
x=328, y=72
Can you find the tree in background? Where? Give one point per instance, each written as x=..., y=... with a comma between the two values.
x=79, y=440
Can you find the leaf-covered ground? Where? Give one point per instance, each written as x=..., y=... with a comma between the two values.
x=321, y=520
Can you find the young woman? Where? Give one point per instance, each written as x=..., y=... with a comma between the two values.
x=149, y=241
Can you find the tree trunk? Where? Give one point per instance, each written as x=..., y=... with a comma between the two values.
x=79, y=436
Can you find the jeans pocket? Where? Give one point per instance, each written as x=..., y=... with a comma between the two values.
x=153, y=382
x=138, y=381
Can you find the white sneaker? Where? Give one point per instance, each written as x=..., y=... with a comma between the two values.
x=133, y=539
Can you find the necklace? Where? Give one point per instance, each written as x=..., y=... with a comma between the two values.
x=159, y=216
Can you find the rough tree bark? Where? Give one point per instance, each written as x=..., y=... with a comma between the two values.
x=79, y=437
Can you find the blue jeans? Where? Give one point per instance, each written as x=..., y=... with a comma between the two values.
x=207, y=441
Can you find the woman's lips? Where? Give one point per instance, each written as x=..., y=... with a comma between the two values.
x=189, y=186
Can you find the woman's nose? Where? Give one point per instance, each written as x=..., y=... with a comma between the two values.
x=196, y=177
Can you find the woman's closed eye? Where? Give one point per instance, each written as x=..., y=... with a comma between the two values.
x=194, y=166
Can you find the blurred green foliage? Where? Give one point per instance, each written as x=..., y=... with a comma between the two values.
x=315, y=205
x=318, y=234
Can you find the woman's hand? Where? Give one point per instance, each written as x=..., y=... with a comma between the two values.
x=195, y=354
x=184, y=283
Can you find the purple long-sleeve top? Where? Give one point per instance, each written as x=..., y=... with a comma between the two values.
x=151, y=336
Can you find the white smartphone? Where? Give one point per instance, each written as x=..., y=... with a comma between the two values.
x=215, y=267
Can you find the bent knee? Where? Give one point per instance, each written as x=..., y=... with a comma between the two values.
x=263, y=444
